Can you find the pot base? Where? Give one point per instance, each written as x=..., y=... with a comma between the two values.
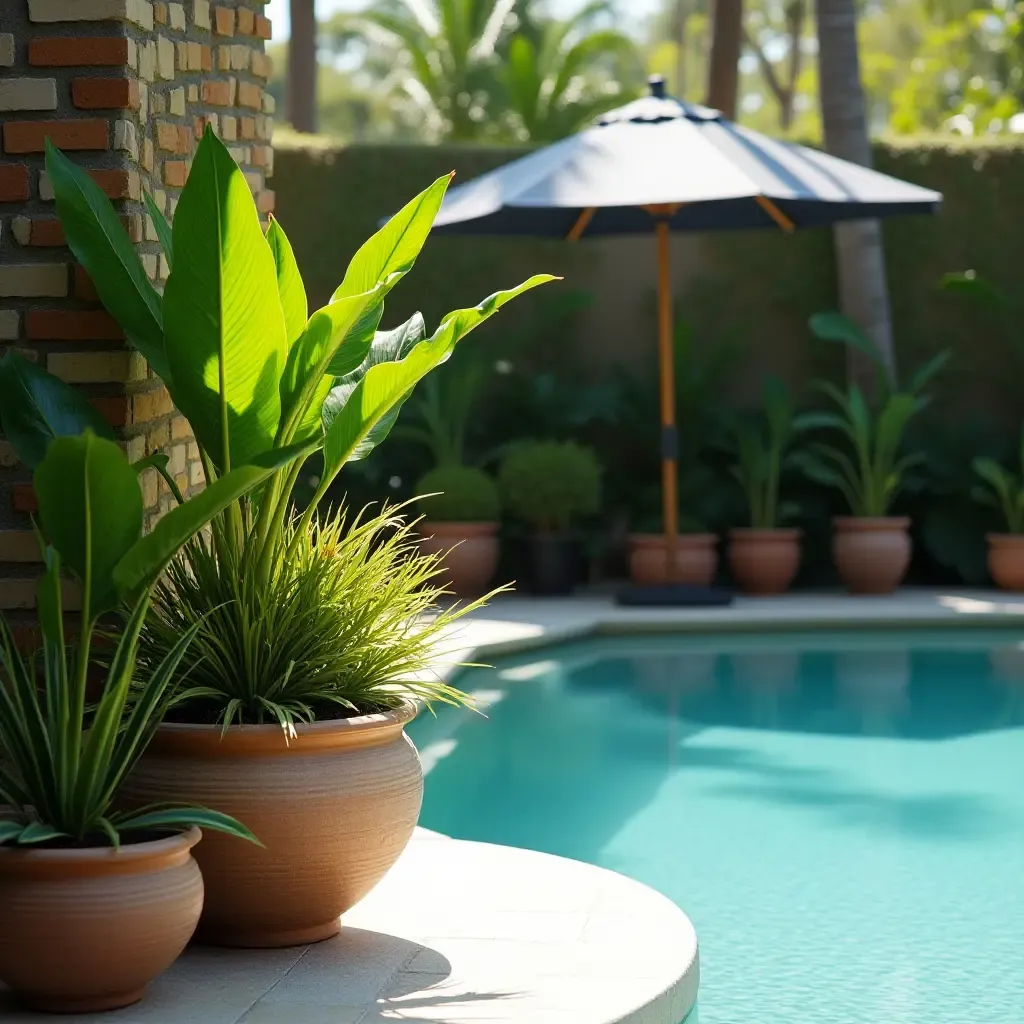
x=81, y=1004
x=268, y=939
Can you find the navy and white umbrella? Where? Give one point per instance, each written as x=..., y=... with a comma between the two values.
x=663, y=165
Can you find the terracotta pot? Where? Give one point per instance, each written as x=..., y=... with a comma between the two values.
x=334, y=808
x=696, y=559
x=1006, y=559
x=469, y=553
x=871, y=554
x=764, y=561
x=87, y=930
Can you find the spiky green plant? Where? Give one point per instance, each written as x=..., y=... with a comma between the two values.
x=1003, y=490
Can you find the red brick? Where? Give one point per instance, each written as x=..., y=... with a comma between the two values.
x=167, y=136
x=224, y=21
x=247, y=128
x=46, y=231
x=86, y=53
x=217, y=94
x=105, y=93
x=250, y=95
x=113, y=409
x=115, y=184
x=160, y=13
x=184, y=139
x=72, y=325
x=30, y=136
x=265, y=201
x=245, y=21
x=23, y=498
x=13, y=183
x=175, y=173
x=84, y=288
x=207, y=56
x=261, y=156
x=264, y=28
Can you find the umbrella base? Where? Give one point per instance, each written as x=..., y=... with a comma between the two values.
x=674, y=595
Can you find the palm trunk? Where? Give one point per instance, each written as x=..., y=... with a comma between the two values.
x=300, y=89
x=681, y=14
x=723, y=64
x=860, y=258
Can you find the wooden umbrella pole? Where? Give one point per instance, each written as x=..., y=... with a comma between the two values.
x=667, y=377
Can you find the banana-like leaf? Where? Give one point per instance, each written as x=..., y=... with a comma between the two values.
x=225, y=330
x=351, y=413
x=386, y=347
x=174, y=819
x=163, y=229
x=36, y=407
x=929, y=370
x=290, y=288
x=90, y=510
x=836, y=327
x=97, y=238
x=155, y=460
x=10, y=831
x=980, y=289
x=143, y=563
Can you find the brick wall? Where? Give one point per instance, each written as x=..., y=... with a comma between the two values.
x=126, y=87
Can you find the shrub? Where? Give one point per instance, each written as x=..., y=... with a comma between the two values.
x=549, y=483
x=458, y=494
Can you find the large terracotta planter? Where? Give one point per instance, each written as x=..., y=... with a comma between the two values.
x=696, y=559
x=87, y=929
x=334, y=808
x=764, y=561
x=469, y=553
x=1006, y=559
x=871, y=554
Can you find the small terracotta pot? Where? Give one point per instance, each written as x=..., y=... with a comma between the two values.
x=871, y=554
x=764, y=561
x=1006, y=559
x=696, y=559
x=469, y=553
x=88, y=929
x=334, y=808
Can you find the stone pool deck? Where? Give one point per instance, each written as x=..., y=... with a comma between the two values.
x=513, y=623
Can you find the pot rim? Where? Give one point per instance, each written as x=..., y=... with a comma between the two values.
x=468, y=527
x=1005, y=540
x=203, y=740
x=80, y=862
x=682, y=539
x=766, y=533
x=866, y=524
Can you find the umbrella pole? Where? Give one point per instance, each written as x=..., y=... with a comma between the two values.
x=667, y=378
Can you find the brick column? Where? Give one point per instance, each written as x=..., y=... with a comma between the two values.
x=126, y=87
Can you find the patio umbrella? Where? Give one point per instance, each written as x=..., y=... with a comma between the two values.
x=658, y=164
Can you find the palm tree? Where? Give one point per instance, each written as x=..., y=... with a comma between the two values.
x=300, y=91
x=563, y=80
x=723, y=63
x=860, y=259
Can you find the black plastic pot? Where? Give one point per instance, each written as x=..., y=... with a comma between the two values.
x=554, y=563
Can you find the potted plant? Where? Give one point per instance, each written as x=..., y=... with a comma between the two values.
x=696, y=554
x=764, y=556
x=871, y=548
x=549, y=484
x=1005, y=492
x=97, y=899
x=460, y=525
x=306, y=668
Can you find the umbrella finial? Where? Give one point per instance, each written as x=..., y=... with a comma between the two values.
x=657, y=85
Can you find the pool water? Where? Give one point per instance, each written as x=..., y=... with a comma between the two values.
x=841, y=816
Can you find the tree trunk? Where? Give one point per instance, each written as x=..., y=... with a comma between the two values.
x=300, y=88
x=679, y=25
x=723, y=64
x=860, y=259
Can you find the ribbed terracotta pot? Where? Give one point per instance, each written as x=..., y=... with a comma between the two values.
x=696, y=559
x=1006, y=559
x=84, y=930
x=334, y=808
x=469, y=553
x=764, y=561
x=871, y=554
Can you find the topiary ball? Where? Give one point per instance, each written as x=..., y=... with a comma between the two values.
x=458, y=494
x=550, y=483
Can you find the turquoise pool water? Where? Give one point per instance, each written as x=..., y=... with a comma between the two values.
x=841, y=816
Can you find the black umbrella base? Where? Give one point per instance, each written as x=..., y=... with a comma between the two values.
x=674, y=595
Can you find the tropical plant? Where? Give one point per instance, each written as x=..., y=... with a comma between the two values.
x=257, y=378
x=458, y=494
x=763, y=452
x=1003, y=489
x=65, y=758
x=550, y=483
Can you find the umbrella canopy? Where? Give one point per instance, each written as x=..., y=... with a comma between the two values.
x=663, y=165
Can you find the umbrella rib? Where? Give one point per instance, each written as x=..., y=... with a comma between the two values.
x=582, y=222
x=775, y=213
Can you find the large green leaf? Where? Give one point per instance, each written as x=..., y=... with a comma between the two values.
x=36, y=407
x=147, y=558
x=97, y=237
x=225, y=329
x=385, y=347
x=90, y=510
x=290, y=288
x=352, y=413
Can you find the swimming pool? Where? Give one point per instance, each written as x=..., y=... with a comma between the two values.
x=840, y=815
